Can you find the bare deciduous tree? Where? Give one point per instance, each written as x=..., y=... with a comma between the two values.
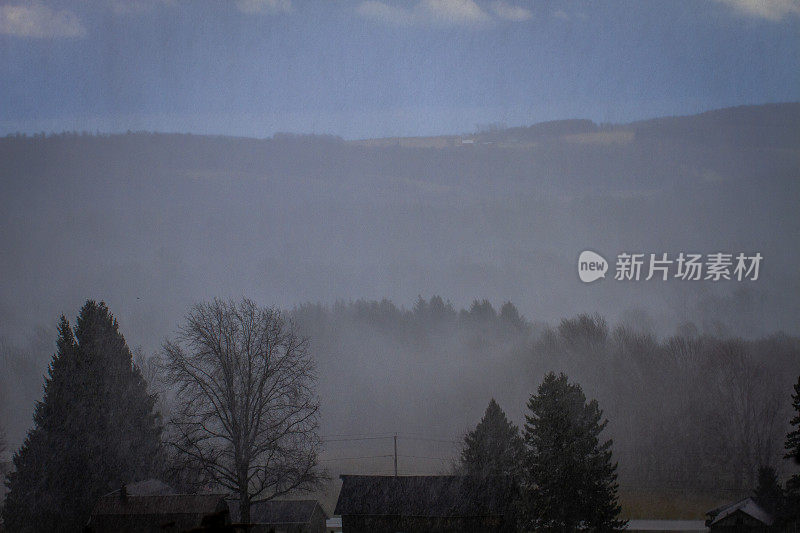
x=746, y=426
x=247, y=409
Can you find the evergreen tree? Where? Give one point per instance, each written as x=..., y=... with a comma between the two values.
x=492, y=454
x=494, y=447
x=768, y=493
x=569, y=480
x=94, y=430
x=509, y=315
x=792, y=445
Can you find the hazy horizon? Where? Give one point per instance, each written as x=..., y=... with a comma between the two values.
x=477, y=127
x=382, y=68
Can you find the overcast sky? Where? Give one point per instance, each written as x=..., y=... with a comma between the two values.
x=381, y=68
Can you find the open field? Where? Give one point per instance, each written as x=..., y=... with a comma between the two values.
x=670, y=504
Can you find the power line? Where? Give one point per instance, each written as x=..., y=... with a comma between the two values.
x=378, y=437
x=356, y=435
x=446, y=441
x=355, y=458
x=352, y=439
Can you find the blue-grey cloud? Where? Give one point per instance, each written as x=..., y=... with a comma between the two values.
x=264, y=6
x=511, y=12
x=427, y=13
x=133, y=7
x=774, y=10
x=34, y=20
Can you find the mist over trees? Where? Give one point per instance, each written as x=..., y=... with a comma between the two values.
x=688, y=411
x=217, y=216
x=691, y=376
x=390, y=218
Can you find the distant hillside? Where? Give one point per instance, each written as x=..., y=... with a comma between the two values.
x=769, y=126
x=152, y=223
x=755, y=124
x=317, y=218
x=555, y=128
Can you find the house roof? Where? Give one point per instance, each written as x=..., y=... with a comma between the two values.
x=284, y=511
x=429, y=496
x=159, y=504
x=667, y=525
x=747, y=506
x=148, y=487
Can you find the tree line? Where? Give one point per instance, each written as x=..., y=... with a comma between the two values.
x=245, y=425
x=557, y=474
x=692, y=410
x=232, y=403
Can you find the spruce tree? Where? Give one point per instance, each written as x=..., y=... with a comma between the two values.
x=569, y=480
x=491, y=456
x=792, y=446
x=494, y=447
x=768, y=493
x=94, y=429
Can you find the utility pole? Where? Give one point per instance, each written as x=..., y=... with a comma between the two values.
x=395, y=455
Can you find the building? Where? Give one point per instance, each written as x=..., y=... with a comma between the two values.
x=744, y=515
x=424, y=503
x=666, y=526
x=151, y=506
x=287, y=516
x=333, y=524
x=5, y=468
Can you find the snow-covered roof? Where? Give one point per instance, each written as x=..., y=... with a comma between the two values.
x=747, y=506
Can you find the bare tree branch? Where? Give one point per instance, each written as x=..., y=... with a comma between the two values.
x=248, y=412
